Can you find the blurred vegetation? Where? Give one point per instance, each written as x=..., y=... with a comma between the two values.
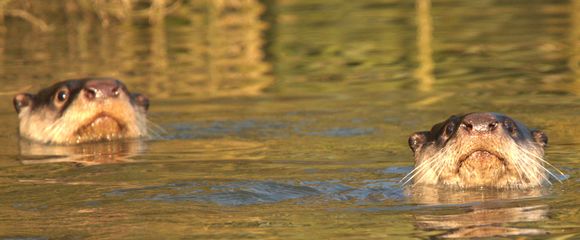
x=193, y=47
x=112, y=11
x=238, y=47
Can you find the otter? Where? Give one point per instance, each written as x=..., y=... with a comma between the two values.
x=82, y=110
x=480, y=150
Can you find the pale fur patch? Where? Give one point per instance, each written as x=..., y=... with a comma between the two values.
x=522, y=166
x=44, y=125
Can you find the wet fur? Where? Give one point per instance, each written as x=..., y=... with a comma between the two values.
x=41, y=121
x=509, y=160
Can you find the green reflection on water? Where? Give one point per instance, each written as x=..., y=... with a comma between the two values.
x=298, y=95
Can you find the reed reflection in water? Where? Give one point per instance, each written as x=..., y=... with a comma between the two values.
x=286, y=119
x=216, y=49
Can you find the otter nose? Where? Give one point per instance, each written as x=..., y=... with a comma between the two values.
x=480, y=123
x=102, y=88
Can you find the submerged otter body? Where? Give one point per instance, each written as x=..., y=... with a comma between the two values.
x=82, y=110
x=479, y=150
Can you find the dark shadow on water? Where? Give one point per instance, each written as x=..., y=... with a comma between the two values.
x=24, y=238
x=260, y=192
x=260, y=128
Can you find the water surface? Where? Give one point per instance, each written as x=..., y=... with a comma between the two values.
x=289, y=119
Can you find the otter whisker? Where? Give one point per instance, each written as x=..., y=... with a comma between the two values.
x=423, y=165
x=439, y=156
x=543, y=161
x=522, y=163
x=55, y=129
x=540, y=159
x=156, y=126
x=549, y=164
x=541, y=167
x=481, y=150
x=53, y=116
x=518, y=167
x=446, y=163
x=417, y=170
x=154, y=130
x=518, y=161
x=532, y=173
x=527, y=174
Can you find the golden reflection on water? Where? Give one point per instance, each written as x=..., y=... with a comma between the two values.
x=574, y=62
x=482, y=222
x=424, y=41
x=128, y=152
x=84, y=154
x=220, y=53
x=318, y=95
x=481, y=216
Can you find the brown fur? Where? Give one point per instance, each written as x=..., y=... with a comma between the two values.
x=509, y=156
x=44, y=119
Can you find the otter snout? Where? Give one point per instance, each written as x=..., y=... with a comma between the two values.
x=477, y=123
x=100, y=89
x=82, y=110
x=479, y=150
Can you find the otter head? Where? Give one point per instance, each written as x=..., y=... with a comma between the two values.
x=479, y=150
x=82, y=110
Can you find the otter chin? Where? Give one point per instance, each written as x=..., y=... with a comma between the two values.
x=82, y=110
x=479, y=150
x=102, y=127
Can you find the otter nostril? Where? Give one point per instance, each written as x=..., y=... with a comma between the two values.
x=467, y=126
x=90, y=93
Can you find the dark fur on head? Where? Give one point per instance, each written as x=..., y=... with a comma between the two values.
x=82, y=110
x=479, y=150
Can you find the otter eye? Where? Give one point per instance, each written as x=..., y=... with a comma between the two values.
x=62, y=96
x=510, y=127
x=449, y=129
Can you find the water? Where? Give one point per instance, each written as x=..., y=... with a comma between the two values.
x=290, y=119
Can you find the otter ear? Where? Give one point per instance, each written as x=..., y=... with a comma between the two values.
x=141, y=100
x=416, y=140
x=21, y=101
x=540, y=137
